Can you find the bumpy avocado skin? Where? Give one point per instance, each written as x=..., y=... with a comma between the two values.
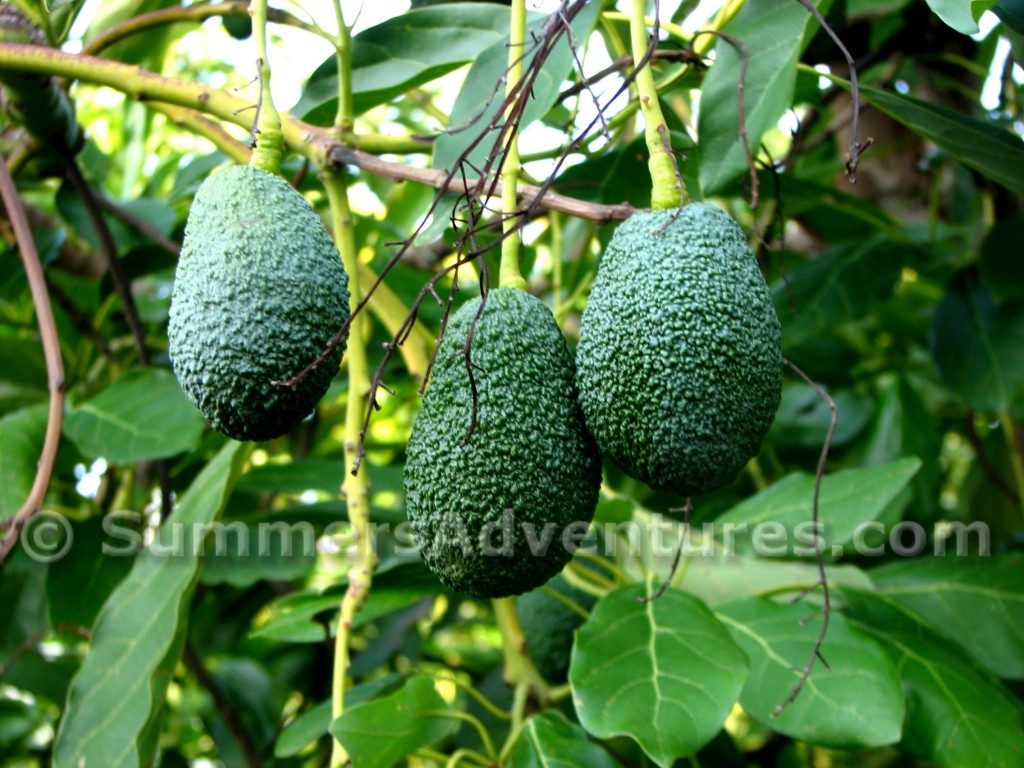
x=259, y=293
x=548, y=626
x=679, y=360
x=529, y=454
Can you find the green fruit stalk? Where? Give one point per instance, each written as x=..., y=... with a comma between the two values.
x=490, y=512
x=259, y=293
x=679, y=360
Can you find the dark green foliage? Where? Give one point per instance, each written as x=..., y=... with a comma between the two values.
x=548, y=625
x=259, y=293
x=680, y=368
x=34, y=100
x=529, y=456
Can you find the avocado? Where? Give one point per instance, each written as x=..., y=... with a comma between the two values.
x=548, y=625
x=492, y=503
x=679, y=359
x=259, y=293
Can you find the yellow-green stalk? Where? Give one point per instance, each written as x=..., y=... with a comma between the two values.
x=509, y=274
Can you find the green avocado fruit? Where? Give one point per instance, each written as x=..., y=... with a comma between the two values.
x=259, y=293
x=548, y=625
x=497, y=511
x=679, y=359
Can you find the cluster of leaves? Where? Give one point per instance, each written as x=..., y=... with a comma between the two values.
x=901, y=295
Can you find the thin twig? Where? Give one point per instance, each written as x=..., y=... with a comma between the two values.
x=139, y=224
x=826, y=605
x=51, y=352
x=231, y=719
x=856, y=148
x=34, y=639
x=687, y=510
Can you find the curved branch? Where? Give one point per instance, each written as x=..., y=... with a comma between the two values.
x=51, y=351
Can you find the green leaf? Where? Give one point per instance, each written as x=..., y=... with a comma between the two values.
x=977, y=602
x=645, y=670
x=1011, y=13
x=483, y=91
x=978, y=345
x=774, y=33
x=777, y=520
x=957, y=715
x=21, y=440
x=803, y=417
x=113, y=707
x=994, y=152
x=961, y=15
x=839, y=285
x=858, y=703
x=309, y=474
x=1000, y=259
x=242, y=555
x=548, y=740
x=402, y=53
x=379, y=733
x=142, y=415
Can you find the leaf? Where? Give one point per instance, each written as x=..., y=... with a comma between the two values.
x=114, y=702
x=401, y=53
x=1000, y=262
x=21, y=440
x=993, y=152
x=842, y=284
x=380, y=732
x=310, y=474
x=548, y=740
x=483, y=91
x=242, y=555
x=957, y=715
x=960, y=15
x=1011, y=13
x=803, y=417
x=978, y=345
x=777, y=520
x=143, y=415
x=855, y=703
x=664, y=672
x=774, y=32
x=978, y=602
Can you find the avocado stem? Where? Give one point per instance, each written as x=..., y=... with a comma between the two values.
x=509, y=274
x=519, y=669
x=267, y=136
x=344, y=120
x=666, y=184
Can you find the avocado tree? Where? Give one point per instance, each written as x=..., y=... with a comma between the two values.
x=773, y=516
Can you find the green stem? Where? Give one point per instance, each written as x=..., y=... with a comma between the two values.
x=1016, y=461
x=509, y=274
x=345, y=119
x=519, y=669
x=269, y=140
x=666, y=185
x=355, y=487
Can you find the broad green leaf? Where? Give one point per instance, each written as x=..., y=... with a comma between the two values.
x=839, y=285
x=978, y=602
x=1000, y=259
x=113, y=707
x=777, y=521
x=978, y=345
x=93, y=569
x=855, y=704
x=548, y=740
x=994, y=152
x=1011, y=13
x=402, y=53
x=774, y=33
x=803, y=417
x=396, y=585
x=309, y=474
x=957, y=715
x=21, y=440
x=648, y=671
x=313, y=723
x=961, y=15
x=142, y=415
x=22, y=601
x=483, y=91
x=242, y=555
x=380, y=732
